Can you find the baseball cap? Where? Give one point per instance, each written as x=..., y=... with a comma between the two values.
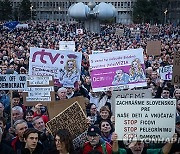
x=93, y=131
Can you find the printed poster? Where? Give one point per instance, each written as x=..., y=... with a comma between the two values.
x=145, y=119
x=64, y=66
x=67, y=45
x=166, y=72
x=120, y=70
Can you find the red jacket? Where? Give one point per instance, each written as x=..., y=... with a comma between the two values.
x=88, y=147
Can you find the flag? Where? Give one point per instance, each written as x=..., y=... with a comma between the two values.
x=11, y=25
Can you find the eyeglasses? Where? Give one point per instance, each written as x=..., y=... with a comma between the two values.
x=93, y=108
x=105, y=125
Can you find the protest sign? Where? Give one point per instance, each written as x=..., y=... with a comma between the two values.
x=153, y=47
x=145, y=119
x=13, y=82
x=166, y=72
x=67, y=45
x=97, y=52
x=79, y=141
x=79, y=31
x=144, y=93
x=120, y=70
x=64, y=66
x=135, y=31
x=154, y=30
x=119, y=31
x=176, y=72
x=56, y=107
x=22, y=26
x=40, y=89
x=72, y=118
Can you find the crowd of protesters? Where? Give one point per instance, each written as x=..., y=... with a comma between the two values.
x=28, y=133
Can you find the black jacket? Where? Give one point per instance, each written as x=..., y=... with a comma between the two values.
x=38, y=150
x=5, y=149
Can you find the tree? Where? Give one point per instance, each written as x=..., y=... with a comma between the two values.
x=151, y=11
x=5, y=10
x=24, y=9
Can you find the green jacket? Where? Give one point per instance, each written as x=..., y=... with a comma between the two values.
x=149, y=151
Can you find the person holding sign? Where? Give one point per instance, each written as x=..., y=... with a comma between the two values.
x=138, y=147
x=136, y=71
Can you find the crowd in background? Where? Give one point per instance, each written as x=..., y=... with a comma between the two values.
x=14, y=59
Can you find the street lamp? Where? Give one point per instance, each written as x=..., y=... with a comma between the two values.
x=59, y=8
x=31, y=8
x=165, y=16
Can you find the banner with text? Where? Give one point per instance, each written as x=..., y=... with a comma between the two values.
x=13, y=82
x=145, y=119
x=166, y=72
x=176, y=65
x=64, y=66
x=67, y=45
x=120, y=70
x=40, y=89
x=144, y=93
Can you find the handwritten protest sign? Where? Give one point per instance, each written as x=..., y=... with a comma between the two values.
x=145, y=119
x=119, y=31
x=67, y=45
x=166, y=72
x=135, y=31
x=13, y=82
x=54, y=108
x=120, y=70
x=176, y=72
x=154, y=30
x=64, y=66
x=144, y=93
x=153, y=47
x=40, y=89
x=72, y=118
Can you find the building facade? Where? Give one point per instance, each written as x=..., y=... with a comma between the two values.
x=57, y=10
x=173, y=11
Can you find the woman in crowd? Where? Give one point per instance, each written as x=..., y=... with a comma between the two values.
x=63, y=143
x=92, y=113
x=105, y=114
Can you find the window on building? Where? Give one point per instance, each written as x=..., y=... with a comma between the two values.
x=125, y=4
x=47, y=4
x=122, y=4
x=115, y=4
x=128, y=4
x=51, y=4
x=118, y=4
x=44, y=4
x=41, y=5
x=132, y=3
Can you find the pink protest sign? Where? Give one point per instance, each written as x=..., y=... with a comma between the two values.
x=122, y=69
